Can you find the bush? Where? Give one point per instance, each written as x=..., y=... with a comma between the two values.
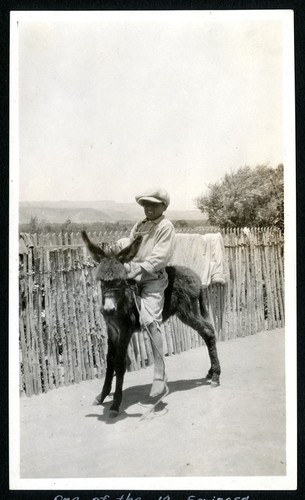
x=247, y=197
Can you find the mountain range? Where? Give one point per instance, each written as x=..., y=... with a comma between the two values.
x=92, y=211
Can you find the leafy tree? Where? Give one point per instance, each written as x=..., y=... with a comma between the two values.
x=66, y=226
x=181, y=223
x=33, y=224
x=247, y=197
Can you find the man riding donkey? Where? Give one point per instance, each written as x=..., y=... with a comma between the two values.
x=148, y=269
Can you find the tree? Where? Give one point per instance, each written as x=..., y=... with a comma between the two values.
x=33, y=224
x=66, y=226
x=181, y=224
x=247, y=197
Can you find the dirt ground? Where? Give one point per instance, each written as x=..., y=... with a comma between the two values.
x=236, y=429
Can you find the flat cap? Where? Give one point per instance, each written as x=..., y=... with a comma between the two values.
x=155, y=195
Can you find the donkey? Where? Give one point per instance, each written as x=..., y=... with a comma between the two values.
x=183, y=298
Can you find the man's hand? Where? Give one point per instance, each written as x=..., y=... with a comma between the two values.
x=134, y=271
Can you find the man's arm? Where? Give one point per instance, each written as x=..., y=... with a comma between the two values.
x=162, y=250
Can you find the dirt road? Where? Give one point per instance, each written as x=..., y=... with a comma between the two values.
x=236, y=429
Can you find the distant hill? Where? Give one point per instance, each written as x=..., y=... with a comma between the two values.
x=92, y=211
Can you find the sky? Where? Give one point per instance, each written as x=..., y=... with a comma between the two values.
x=110, y=105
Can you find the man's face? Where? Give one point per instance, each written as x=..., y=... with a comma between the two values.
x=153, y=210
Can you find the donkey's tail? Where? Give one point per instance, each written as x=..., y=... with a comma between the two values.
x=202, y=303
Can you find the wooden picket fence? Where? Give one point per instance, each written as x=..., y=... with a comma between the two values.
x=66, y=238
x=63, y=338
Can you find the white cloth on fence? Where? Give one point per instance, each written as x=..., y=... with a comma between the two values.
x=204, y=254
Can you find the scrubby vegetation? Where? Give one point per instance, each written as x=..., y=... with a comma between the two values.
x=247, y=197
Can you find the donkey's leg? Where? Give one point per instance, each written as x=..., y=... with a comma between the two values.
x=194, y=319
x=120, y=369
x=109, y=373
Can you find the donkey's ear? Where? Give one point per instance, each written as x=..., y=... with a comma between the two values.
x=129, y=252
x=95, y=251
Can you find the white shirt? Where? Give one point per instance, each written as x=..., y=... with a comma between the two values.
x=157, y=245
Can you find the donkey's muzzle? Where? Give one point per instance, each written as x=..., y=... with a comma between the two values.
x=109, y=307
x=108, y=312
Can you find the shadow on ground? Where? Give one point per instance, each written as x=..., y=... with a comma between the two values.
x=139, y=395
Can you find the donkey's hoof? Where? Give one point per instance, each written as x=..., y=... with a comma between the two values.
x=215, y=383
x=113, y=413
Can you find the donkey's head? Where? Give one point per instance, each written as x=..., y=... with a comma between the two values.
x=111, y=272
